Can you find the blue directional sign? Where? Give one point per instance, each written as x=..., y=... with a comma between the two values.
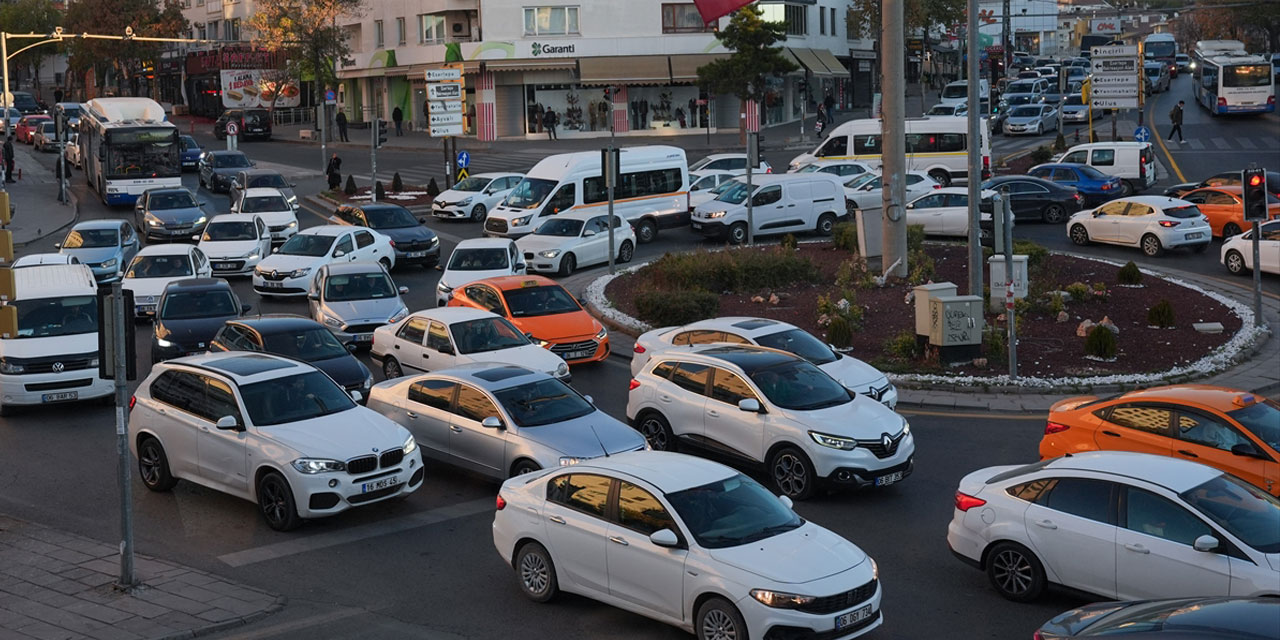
x=464, y=159
x=1142, y=134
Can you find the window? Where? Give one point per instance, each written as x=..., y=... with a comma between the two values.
x=563, y=199
x=185, y=391
x=822, y=21
x=233, y=28
x=587, y=493
x=378, y=35
x=555, y=489
x=1148, y=513
x=1208, y=431
x=640, y=510
x=833, y=22
x=214, y=32
x=1063, y=175
x=487, y=298
x=634, y=185
x=664, y=370
x=1104, y=158
x=699, y=336
x=430, y=29
x=1219, y=198
x=684, y=18
x=200, y=30
x=692, y=377
x=1079, y=157
x=932, y=201
x=400, y=31
x=550, y=21
x=363, y=239
x=1115, y=208
x=413, y=330
x=1031, y=491
x=438, y=337
x=1082, y=497
x=727, y=387
x=220, y=401
x=768, y=195
x=437, y=394
x=475, y=405
x=866, y=144
x=1152, y=420
x=797, y=19
x=836, y=146
x=345, y=246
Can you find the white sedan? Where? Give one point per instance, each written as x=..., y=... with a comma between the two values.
x=1122, y=525
x=707, y=195
x=1151, y=223
x=155, y=267
x=473, y=198
x=576, y=238
x=945, y=211
x=866, y=190
x=288, y=271
x=1237, y=251
x=842, y=168
x=1034, y=119
x=733, y=162
x=235, y=243
x=687, y=542
x=274, y=208
x=447, y=337
x=708, y=179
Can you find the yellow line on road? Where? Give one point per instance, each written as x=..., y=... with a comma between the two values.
x=1160, y=141
x=953, y=414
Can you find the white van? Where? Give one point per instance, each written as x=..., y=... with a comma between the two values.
x=54, y=356
x=781, y=203
x=958, y=92
x=653, y=192
x=1133, y=162
x=938, y=146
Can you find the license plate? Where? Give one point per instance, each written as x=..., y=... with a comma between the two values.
x=146, y=308
x=363, y=337
x=60, y=396
x=888, y=479
x=1193, y=236
x=379, y=484
x=697, y=225
x=575, y=355
x=224, y=265
x=267, y=284
x=853, y=617
x=416, y=254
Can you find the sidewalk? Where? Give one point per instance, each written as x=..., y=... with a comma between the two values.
x=37, y=212
x=59, y=586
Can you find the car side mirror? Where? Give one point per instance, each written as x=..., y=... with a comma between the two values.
x=786, y=501
x=491, y=422
x=204, y=202
x=293, y=185
x=275, y=249
x=228, y=423
x=313, y=295
x=588, y=233
x=589, y=399
x=750, y=405
x=351, y=346
x=911, y=206
x=1097, y=213
x=1206, y=543
x=520, y=267
x=1245, y=449
x=339, y=253
x=57, y=245
x=664, y=538
x=446, y=349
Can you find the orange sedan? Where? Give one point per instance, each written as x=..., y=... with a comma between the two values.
x=1233, y=431
x=1225, y=209
x=543, y=309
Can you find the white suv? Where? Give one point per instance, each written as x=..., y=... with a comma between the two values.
x=770, y=407
x=270, y=430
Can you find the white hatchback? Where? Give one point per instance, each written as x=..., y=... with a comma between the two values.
x=289, y=271
x=274, y=208
x=844, y=168
x=476, y=259
x=1237, y=251
x=685, y=541
x=1150, y=223
x=732, y=162
x=153, y=268
x=235, y=243
x=473, y=198
x=576, y=238
x=447, y=337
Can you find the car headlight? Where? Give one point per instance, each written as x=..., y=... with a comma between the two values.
x=152, y=221
x=368, y=382
x=293, y=200
x=835, y=442
x=602, y=334
x=444, y=288
x=411, y=445
x=875, y=569
x=906, y=427
x=312, y=466
x=331, y=322
x=542, y=343
x=298, y=273
x=521, y=221
x=549, y=253
x=10, y=367
x=780, y=599
x=200, y=220
x=252, y=255
x=435, y=240
x=110, y=263
x=714, y=214
x=570, y=460
x=399, y=315
x=562, y=370
x=292, y=224
x=161, y=342
x=464, y=202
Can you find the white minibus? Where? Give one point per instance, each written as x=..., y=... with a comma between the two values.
x=937, y=146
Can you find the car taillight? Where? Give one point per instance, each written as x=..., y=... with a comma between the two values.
x=1222, y=102
x=965, y=502
x=1079, y=198
x=1107, y=186
x=1142, y=168
x=1054, y=427
x=638, y=348
x=132, y=401
x=937, y=186
x=393, y=243
x=1271, y=100
x=501, y=502
x=1170, y=223
x=634, y=384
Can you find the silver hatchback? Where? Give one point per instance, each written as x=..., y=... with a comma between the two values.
x=352, y=299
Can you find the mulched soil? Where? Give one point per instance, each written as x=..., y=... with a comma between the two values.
x=411, y=196
x=1046, y=348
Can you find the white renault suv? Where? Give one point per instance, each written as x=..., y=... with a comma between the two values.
x=769, y=407
x=685, y=541
x=271, y=430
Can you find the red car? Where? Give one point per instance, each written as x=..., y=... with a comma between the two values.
x=27, y=127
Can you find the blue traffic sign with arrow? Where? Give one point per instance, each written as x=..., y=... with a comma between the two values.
x=1142, y=134
x=464, y=159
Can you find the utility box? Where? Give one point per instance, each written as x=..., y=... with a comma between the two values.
x=923, y=295
x=955, y=327
x=999, y=280
x=870, y=230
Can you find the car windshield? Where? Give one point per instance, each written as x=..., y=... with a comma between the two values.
x=701, y=164
x=189, y=143
x=299, y=397
x=46, y=317
x=307, y=244
x=486, y=334
x=1262, y=419
x=474, y=183
x=800, y=343
x=170, y=266
x=530, y=193
x=861, y=180
x=1153, y=72
x=358, y=286
x=181, y=305
x=955, y=91
x=800, y=386
x=1025, y=112
x=732, y=512
x=543, y=402
x=171, y=200
x=264, y=204
x=724, y=186
x=48, y=128
x=545, y=300
x=942, y=110
x=560, y=227
x=1020, y=99
x=309, y=345
x=390, y=218
x=273, y=180
x=1021, y=87
x=1074, y=100
x=230, y=231
x=479, y=259
x=230, y=160
x=91, y=239
x=1091, y=173
x=1245, y=511
x=737, y=193
x=1189, y=211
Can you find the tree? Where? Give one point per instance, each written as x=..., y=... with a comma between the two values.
x=754, y=57
x=111, y=17
x=308, y=33
x=30, y=16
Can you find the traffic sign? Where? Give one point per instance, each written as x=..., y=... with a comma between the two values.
x=233, y=129
x=444, y=91
x=1142, y=134
x=444, y=106
x=1129, y=80
x=434, y=118
x=464, y=159
x=439, y=75
x=330, y=95
x=446, y=130
x=1115, y=51
x=1114, y=103
x=462, y=175
x=1105, y=91
x=1115, y=65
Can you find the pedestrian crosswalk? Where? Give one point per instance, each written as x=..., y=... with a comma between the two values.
x=1229, y=144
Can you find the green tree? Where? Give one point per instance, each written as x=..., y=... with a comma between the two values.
x=30, y=16
x=754, y=57
x=147, y=18
x=308, y=33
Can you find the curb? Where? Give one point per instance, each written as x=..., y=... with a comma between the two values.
x=218, y=627
x=75, y=217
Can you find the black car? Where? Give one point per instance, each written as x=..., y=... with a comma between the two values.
x=1224, y=179
x=1036, y=198
x=218, y=168
x=253, y=123
x=413, y=243
x=1179, y=619
x=188, y=315
x=299, y=338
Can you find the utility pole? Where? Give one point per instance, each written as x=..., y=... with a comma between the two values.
x=1006, y=39
x=893, y=130
x=975, y=152
x=120, y=370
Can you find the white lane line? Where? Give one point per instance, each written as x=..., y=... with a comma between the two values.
x=1220, y=143
x=355, y=534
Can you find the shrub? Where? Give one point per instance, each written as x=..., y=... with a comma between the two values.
x=845, y=236
x=840, y=332
x=664, y=308
x=1060, y=143
x=1079, y=291
x=915, y=238
x=995, y=344
x=790, y=243
x=397, y=185
x=1100, y=343
x=433, y=189
x=1129, y=274
x=350, y=188
x=730, y=270
x=1160, y=315
x=1056, y=305
x=1021, y=306
x=852, y=272
x=1100, y=291
x=902, y=346
x=1036, y=254
x=379, y=191
x=1041, y=155
x=922, y=267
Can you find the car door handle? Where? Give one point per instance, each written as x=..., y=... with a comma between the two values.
x=455, y=428
x=1137, y=548
x=204, y=429
x=412, y=415
x=713, y=413
x=556, y=519
x=665, y=398
x=1188, y=454
x=617, y=540
x=396, y=346
x=1047, y=524
x=1110, y=433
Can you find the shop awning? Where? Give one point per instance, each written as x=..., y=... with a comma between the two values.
x=789, y=55
x=369, y=72
x=630, y=70
x=529, y=64
x=809, y=59
x=418, y=70
x=684, y=68
x=833, y=65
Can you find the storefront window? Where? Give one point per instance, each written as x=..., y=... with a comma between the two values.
x=550, y=21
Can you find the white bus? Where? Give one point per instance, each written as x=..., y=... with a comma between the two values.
x=653, y=192
x=938, y=146
x=127, y=147
x=1162, y=48
x=1228, y=80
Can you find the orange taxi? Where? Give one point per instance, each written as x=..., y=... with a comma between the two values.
x=1224, y=207
x=543, y=309
x=1233, y=431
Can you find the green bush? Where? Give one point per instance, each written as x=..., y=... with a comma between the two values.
x=995, y=344
x=1037, y=255
x=1079, y=291
x=1056, y=305
x=915, y=238
x=902, y=346
x=1129, y=274
x=737, y=270
x=790, y=243
x=1100, y=343
x=397, y=184
x=852, y=273
x=922, y=267
x=1160, y=315
x=1041, y=155
x=1060, y=143
x=845, y=236
x=350, y=187
x=379, y=190
x=664, y=308
x=840, y=332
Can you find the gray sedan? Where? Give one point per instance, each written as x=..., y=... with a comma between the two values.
x=106, y=246
x=1034, y=119
x=501, y=420
x=352, y=299
x=169, y=213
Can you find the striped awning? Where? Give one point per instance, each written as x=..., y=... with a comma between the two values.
x=833, y=65
x=684, y=68
x=809, y=59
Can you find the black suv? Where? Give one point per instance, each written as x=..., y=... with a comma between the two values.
x=253, y=123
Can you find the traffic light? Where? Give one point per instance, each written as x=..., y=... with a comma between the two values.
x=1254, y=193
x=379, y=133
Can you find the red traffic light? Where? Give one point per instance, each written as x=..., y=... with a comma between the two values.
x=1255, y=180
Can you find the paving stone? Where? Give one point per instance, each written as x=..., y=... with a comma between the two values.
x=13, y=619
x=191, y=592
x=97, y=579
x=75, y=573
x=110, y=567
x=46, y=631
x=9, y=634
x=137, y=607
x=99, y=612
x=179, y=620
x=69, y=587
x=240, y=607
x=112, y=633
x=197, y=578
x=91, y=548
x=218, y=615
x=69, y=555
x=145, y=628
x=176, y=603
x=31, y=544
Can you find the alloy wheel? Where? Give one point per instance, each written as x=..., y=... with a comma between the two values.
x=655, y=432
x=717, y=625
x=149, y=462
x=790, y=474
x=535, y=576
x=274, y=505
x=1012, y=572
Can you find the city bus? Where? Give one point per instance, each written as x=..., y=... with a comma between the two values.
x=1228, y=80
x=1162, y=48
x=127, y=147
x=938, y=146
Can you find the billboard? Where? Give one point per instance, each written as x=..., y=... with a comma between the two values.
x=1105, y=26
x=247, y=88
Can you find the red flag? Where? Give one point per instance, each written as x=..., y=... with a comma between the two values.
x=713, y=10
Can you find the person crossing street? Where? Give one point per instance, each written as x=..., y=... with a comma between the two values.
x=1175, y=117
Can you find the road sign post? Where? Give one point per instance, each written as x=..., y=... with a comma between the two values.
x=610, y=163
x=1116, y=81
x=233, y=130
x=446, y=110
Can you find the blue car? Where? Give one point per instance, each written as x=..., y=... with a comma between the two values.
x=190, y=152
x=107, y=246
x=1093, y=185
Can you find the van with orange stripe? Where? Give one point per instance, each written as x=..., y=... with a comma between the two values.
x=652, y=191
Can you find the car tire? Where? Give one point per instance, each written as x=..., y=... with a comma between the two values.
x=626, y=252
x=792, y=473
x=536, y=572
x=1079, y=235
x=826, y=224
x=1234, y=261
x=479, y=213
x=738, y=233
x=524, y=466
x=386, y=264
x=1015, y=572
x=941, y=177
x=1054, y=214
x=1230, y=229
x=391, y=369
x=646, y=231
x=153, y=466
x=1151, y=246
x=656, y=431
x=718, y=619
x=275, y=501
x=568, y=264
x=1126, y=189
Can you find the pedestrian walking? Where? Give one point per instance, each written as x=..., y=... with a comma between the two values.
x=1175, y=117
x=57, y=95
x=334, y=171
x=341, y=119
x=830, y=103
x=397, y=116
x=549, y=120
x=8, y=159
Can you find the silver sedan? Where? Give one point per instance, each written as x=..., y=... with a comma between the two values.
x=352, y=299
x=1034, y=119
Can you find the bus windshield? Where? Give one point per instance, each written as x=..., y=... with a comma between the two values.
x=1246, y=75
x=142, y=153
x=1159, y=49
x=530, y=193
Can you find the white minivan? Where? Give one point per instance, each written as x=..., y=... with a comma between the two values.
x=958, y=92
x=781, y=203
x=53, y=355
x=937, y=146
x=1133, y=162
x=652, y=194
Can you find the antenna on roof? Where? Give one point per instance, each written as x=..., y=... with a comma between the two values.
x=598, y=440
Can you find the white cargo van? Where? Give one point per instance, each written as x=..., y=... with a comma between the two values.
x=781, y=203
x=54, y=356
x=958, y=92
x=937, y=146
x=653, y=192
x=1133, y=162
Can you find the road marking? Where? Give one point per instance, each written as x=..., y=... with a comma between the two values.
x=1239, y=285
x=282, y=628
x=952, y=414
x=1195, y=144
x=334, y=538
x=1221, y=143
x=1246, y=143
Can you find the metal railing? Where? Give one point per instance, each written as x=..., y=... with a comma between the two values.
x=292, y=115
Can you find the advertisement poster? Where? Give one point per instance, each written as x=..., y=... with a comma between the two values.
x=246, y=88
